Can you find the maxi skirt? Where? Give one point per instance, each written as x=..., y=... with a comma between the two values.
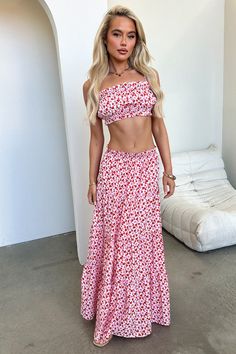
x=124, y=281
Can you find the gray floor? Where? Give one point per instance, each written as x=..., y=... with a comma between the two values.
x=40, y=302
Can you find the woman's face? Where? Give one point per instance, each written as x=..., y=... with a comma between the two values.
x=121, y=38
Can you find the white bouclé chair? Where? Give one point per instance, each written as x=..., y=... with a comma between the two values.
x=202, y=211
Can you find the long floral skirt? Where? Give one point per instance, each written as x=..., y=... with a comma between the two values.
x=124, y=281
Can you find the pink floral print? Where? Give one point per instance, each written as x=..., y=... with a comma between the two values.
x=124, y=282
x=128, y=99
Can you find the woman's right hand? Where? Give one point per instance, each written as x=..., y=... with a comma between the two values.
x=92, y=194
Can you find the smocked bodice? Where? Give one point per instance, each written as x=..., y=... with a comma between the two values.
x=125, y=100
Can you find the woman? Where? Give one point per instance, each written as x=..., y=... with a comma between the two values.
x=124, y=281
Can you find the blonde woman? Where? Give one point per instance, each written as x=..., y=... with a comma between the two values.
x=124, y=281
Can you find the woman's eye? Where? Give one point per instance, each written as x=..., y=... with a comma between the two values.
x=118, y=34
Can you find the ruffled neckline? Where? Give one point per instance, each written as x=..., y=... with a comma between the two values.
x=122, y=84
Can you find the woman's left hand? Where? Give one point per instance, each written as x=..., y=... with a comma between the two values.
x=170, y=183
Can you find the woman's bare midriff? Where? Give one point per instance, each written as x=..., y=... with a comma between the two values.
x=131, y=134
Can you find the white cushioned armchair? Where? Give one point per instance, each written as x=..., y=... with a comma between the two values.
x=202, y=211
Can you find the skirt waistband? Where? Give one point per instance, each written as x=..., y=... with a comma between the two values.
x=128, y=153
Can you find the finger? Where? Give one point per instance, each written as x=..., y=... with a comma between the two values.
x=90, y=198
x=165, y=187
x=167, y=194
x=171, y=190
x=94, y=199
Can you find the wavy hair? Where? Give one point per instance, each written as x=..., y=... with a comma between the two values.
x=138, y=60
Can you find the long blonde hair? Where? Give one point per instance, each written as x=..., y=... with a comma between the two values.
x=138, y=60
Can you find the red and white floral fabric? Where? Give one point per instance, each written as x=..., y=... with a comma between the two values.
x=126, y=100
x=124, y=281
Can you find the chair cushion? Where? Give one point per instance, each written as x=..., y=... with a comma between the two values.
x=202, y=211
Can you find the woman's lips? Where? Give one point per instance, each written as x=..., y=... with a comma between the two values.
x=122, y=51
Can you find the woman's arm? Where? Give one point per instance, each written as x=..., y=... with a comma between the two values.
x=162, y=141
x=96, y=143
x=161, y=137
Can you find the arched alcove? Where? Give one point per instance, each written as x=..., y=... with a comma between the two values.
x=70, y=21
x=35, y=184
x=66, y=209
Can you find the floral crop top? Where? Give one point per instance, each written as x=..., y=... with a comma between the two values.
x=124, y=100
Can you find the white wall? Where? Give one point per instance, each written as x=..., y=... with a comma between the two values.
x=35, y=185
x=185, y=38
x=229, y=121
x=74, y=26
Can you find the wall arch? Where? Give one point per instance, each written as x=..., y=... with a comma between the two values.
x=35, y=187
x=74, y=54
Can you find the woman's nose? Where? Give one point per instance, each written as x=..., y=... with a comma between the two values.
x=123, y=40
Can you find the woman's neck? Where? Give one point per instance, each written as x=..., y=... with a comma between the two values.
x=118, y=67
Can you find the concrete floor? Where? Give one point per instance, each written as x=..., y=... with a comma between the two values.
x=40, y=302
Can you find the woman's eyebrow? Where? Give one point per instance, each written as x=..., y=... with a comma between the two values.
x=117, y=30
